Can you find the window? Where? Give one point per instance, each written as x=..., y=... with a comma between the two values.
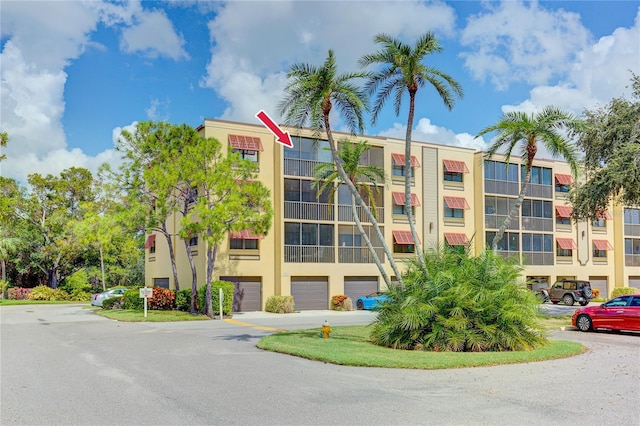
x=501, y=178
x=309, y=149
x=631, y=216
x=537, y=208
x=453, y=213
x=308, y=234
x=399, y=171
x=563, y=215
x=303, y=190
x=247, y=154
x=402, y=209
x=193, y=241
x=539, y=175
x=192, y=195
x=152, y=249
x=399, y=203
x=599, y=223
x=537, y=249
x=564, y=252
x=599, y=254
x=243, y=244
x=508, y=243
x=403, y=242
x=454, y=170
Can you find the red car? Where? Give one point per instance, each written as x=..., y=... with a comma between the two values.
x=620, y=313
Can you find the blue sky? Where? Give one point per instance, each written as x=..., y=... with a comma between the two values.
x=74, y=74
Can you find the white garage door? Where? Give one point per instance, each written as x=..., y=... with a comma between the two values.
x=601, y=283
x=247, y=293
x=634, y=281
x=310, y=293
x=355, y=287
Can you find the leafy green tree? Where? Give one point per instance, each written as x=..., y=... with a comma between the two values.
x=403, y=68
x=549, y=127
x=230, y=199
x=363, y=177
x=48, y=209
x=309, y=98
x=150, y=180
x=460, y=303
x=611, y=145
x=8, y=245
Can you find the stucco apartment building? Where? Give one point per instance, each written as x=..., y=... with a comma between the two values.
x=314, y=250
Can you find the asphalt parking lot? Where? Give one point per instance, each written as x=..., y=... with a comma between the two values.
x=61, y=364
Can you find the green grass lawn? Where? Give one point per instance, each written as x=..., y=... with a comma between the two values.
x=129, y=315
x=349, y=345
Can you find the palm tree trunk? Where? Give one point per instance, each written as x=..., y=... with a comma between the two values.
x=514, y=210
x=407, y=183
x=376, y=259
x=356, y=194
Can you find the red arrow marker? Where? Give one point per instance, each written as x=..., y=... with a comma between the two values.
x=281, y=137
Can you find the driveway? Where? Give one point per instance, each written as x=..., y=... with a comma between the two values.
x=61, y=364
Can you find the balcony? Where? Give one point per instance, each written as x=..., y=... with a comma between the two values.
x=309, y=254
x=345, y=214
x=358, y=255
x=297, y=167
x=308, y=211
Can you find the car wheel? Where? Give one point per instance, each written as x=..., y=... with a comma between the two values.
x=584, y=323
x=568, y=300
x=360, y=305
x=585, y=303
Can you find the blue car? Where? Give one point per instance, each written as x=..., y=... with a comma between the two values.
x=371, y=301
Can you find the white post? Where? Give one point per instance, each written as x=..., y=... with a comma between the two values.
x=221, y=298
x=145, y=305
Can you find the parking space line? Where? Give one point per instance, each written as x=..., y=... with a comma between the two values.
x=258, y=327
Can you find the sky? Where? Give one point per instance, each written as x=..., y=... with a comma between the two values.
x=74, y=74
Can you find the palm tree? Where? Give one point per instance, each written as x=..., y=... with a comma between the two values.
x=360, y=176
x=8, y=245
x=310, y=95
x=548, y=127
x=403, y=68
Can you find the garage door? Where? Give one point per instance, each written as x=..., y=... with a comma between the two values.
x=355, y=287
x=634, y=281
x=247, y=293
x=601, y=284
x=161, y=282
x=310, y=293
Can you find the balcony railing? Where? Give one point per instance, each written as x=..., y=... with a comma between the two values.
x=494, y=221
x=632, y=259
x=308, y=211
x=297, y=167
x=345, y=214
x=358, y=255
x=537, y=224
x=632, y=230
x=539, y=191
x=309, y=254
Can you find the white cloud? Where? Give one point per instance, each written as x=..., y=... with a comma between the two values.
x=425, y=131
x=256, y=41
x=40, y=40
x=158, y=110
x=153, y=35
x=516, y=42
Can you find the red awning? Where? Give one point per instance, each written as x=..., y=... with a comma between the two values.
x=456, y=239
x=603, y=215
x=564, y=211
x=398, y=199
x=456, y=203
x=566, y=243
x=453, y=166
x=398, y=160
x=245, y=234
x=403, y=237
x=564, y=179
x=150, y=240
x=602, y=245
x=247, y=143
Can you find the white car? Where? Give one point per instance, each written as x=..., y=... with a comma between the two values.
x=98, y=298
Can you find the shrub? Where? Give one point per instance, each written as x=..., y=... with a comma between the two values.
x=227, y=291
x=80, y=295
x=18, y=293
x=280, y=304
x=113, y=303
x=341, y=302
x=163, y=299
x=463, y=304
x=42, y=292
x=4, y=285
x=132, y=299
x=621, y=291
x=596, y=293
x=78, y=281
x=183, y=300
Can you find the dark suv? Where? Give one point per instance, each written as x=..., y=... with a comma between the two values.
x=569, y=291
